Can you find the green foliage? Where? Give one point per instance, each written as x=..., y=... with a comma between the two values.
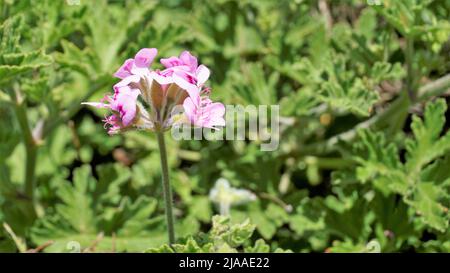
x=223, y=237
x=89, y=208
x=14, y=61
x=381, y=164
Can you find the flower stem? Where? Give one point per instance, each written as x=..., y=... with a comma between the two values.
x=166, y=187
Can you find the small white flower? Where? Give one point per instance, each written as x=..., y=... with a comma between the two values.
x=226, y=196
x=73, y=2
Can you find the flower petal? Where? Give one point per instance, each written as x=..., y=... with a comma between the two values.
x=96, y=104
x=189, y=60
x=216, y=109
x=125, y=70
x=163, y=80
x=190, y=88
x=202, y=74
x=171, y=62
x=190, y=109
x=145, y=57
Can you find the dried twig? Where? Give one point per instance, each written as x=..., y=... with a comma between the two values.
x=94, y=243
x=20, y=244
x=41, y=247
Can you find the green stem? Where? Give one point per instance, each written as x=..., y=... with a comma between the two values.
x=30, y=181
x=434, y=88
x=328, y=162
x=166, y=186
x=30, y=149
x=398, y=121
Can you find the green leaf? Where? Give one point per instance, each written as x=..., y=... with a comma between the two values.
x=259, y=247
x=223, y=237
x=83, y=216
x=307, y=218
x=344, y=90
x=254, y=86
x=234, y=235
x=382, y=71
x=391, y=215
x=29, y=61
x=380, y=163
x=264, y=224
x=76, y=209
x=200, y=208
x=426, y=201
x=427, y=144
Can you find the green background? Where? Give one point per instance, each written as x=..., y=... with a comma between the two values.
x=364, y=148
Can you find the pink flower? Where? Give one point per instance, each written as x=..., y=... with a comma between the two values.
x=123, y=107
x=146, y=99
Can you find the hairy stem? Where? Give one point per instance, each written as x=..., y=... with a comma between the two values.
x=166, y=187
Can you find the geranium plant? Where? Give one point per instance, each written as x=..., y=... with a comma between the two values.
x=146, y=99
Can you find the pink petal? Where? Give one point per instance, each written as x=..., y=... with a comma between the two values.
x=202, y=74
x=215, y=121
x=189, y=60
x=128, y=113
x=140, y=71
x=128, y=80
x=216, y=109
x=189, y=109
x=190, y=88
x=125, y=104
x=160, y=78
x=171, y=62
x=125, y=69
x=125, y=82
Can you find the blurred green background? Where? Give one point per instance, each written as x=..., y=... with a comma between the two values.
x=360, y=160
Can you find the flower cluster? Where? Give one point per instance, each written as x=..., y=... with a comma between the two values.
x=159, y=99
